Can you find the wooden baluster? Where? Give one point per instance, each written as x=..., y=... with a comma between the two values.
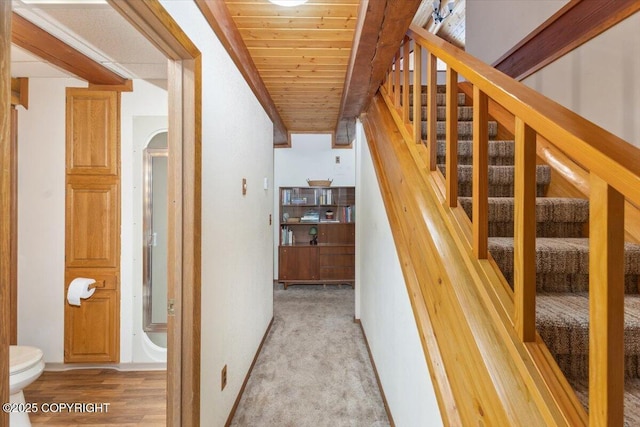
x=452, y=137
x=396, y=82
x=432, y=109
x=405, y=80
x=417, y=93
x=480, y=174
x=525, y=232
x=606, y=304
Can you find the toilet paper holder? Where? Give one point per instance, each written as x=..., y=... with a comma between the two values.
x=82, y=288
x=97, y=284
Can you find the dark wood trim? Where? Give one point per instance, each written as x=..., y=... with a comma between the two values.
x=246, y=378
x=220, y=20
x=42, y=44
x=375, y=371
x=185, y=166
x=5, y=202
x=574, y=24
x=379, y=32
x=13, y=176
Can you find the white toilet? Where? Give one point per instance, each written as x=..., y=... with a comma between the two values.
x=25, y=366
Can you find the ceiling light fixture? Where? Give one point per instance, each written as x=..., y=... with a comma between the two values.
x=288, y=3
x=438, y=14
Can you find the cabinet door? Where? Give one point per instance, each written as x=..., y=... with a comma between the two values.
x=338, y=234
x=91, y=328
x=298, y=263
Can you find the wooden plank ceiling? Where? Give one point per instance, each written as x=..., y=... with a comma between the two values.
x=302, y=54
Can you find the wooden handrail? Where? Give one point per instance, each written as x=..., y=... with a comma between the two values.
x=614, y=167
x=595, y=148
x=559, y=35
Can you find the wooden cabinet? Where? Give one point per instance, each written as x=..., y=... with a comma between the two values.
x=317, y=235
x=298, y=263
x=92, y=231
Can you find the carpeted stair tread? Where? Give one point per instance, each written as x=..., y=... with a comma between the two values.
x=465, y=130
x=563, y=323
x=631, y=398
x=501, y=153
x=562, y=264
x=500, y=179
x=465, y=113
x=555, y=216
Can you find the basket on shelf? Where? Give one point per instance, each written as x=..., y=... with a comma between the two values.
x=319, y=182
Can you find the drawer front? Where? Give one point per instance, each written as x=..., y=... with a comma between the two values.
x=337, y=250
x=337, y=260
x=105, y=278
x=337, y=273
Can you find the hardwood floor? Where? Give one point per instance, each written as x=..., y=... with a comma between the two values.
x=134, y=398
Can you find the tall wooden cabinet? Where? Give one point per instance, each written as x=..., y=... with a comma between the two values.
x=92, y=224
x=317, y=235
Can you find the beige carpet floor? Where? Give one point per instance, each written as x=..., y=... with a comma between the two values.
x=314, y=369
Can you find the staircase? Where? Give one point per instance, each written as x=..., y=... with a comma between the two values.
x=562, y=256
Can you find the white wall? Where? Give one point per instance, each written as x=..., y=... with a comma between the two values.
x=385, y=310
x=41, y=216
x=237, y=240
x=309, y=157
x=598, y=80
x=495, y=26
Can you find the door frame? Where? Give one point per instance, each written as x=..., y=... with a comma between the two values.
x=6, y=198
x=184, y=88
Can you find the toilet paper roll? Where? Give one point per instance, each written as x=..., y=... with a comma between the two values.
x=79, y=288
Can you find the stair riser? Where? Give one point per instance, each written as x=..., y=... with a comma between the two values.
x=441, y=99
x=500, y=180
x=570, y=261
x=501, y=153
x=465, y=114
x=555, y=217
x=465, y=130
x=577, y=366
x=571, y=283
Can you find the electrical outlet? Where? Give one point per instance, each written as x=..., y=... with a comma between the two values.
x=223, y=378
x=337, y=160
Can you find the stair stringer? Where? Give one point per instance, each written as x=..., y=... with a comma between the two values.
x=482, y=373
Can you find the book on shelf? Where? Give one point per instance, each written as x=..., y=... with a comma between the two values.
x=310, y=216
x=348, y=213
x=286, y=236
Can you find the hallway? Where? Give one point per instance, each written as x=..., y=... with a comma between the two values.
x=314, y=369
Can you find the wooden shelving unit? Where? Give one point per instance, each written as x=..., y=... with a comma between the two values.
x=327, y=213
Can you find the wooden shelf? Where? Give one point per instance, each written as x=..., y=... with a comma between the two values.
x=332, y=259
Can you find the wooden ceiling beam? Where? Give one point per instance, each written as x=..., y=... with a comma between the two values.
x=220, y=20
x=381, y=27
x=53, y=50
